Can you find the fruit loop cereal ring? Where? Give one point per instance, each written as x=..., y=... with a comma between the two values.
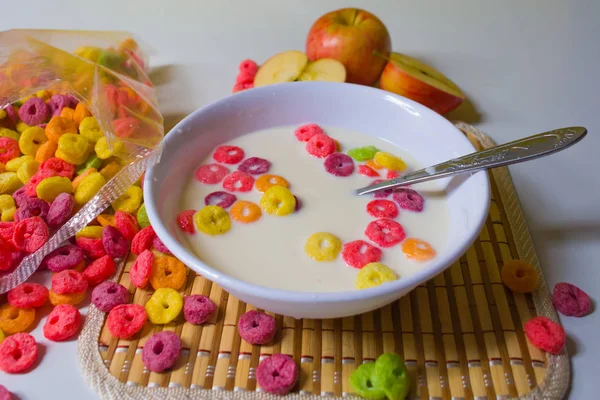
x=14, y=164
x=88, y=188
x=7, y=205
x=243, y=79
x=93, y=248
x=5, y=255
x=99, y=270
x=30, y=234
x=92, y=162
x=73, y=148
x=110, y=170
x=373, y=164
x=130, y=201
x=198, y=309
x=125, y=126
x=382, y=209
x=69, y=281
x=320, y=146
x=27, y=170
x=255, y=166
x=34, y=111
x=115, y=244
x=9, y=182
x=382, y=193
x=323, y=246
x=142, y=269
x=161, y=351
x=142, y=217
x=106, y=220
x=9, y=149
x=143, y=240
x=361, y=381
x=4, y=393
x=58, y=126
x=212, y=220
x=108, y=295
x=62, y=323
x=46, y=151
x=567, y=299
x=160, y=246
x=408, y=199
x=126, y=224
x=39, y=176
x=305, y=132
x=28, y=295
x=389, y=161
x=257, y=327
x=365, y=170
x=385, y=232
x=374, y=274
x=81, y=113
x=245, y=212
x=60, y=210
x=278, y=200
x=185, y=220
x=267, y=180
x=31, y=140
x=32, y=207
x=248, y=66
x=9, y=133
x=68, y=256
x=103, y=151
x=391, y=375
x=50, y=188
x=228, y=154
x=89, y=129
x=220, y=198
x=164, y=306
x=545, y=334
x=14, y=320
x=339, y=164
x=277, y=374
x=363, y=153
x=360, y=253
x=167, y=272
x=391, y=174
x=126, y=320
x=211, y=173
x=61, y=167
x=60, y=101
x=71, y=298
x=418, y=250
x=20, y=196
x=92, y=232
x=238, y=182
x=18, y=353
x=519, y=276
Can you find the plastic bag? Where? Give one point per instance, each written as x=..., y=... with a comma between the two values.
x=106, y=72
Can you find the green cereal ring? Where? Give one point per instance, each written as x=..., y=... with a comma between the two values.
x=362, y=383
x=142, y=217
x=92, y=162
x=391, y=375
x=363, y=153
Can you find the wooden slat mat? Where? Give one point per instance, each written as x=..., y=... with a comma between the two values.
x=461, y=333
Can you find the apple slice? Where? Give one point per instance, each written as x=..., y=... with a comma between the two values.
x=325, y=69
x=420, y=82
x=282, y=67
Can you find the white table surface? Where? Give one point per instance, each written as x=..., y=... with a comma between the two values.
x=527, y=66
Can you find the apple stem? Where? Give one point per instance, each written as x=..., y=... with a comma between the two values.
x=378, y=54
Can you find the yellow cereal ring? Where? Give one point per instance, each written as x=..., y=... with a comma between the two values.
x=88, y=187
x=9, y=182
x=14, y=164
x=15, y=320
x=323, y=246
x=9, y=133
x=106, y=220
x=31, y=140
x=46, y=151
x=7, y=203
x=91, y=232
x=130, y=201
x=51, y=187
x=167, y=272
x=389, y=161
x=8, y=215
x=22, y=127
x=267, y=180
x=103, y=151
x=90, y=129
x=164, y=306
x=212, y=220
x=278, y=200
x=73, y=148
x=374, y=274
x=27, y=170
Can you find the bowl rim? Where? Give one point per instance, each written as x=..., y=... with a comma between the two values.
x=307, y=297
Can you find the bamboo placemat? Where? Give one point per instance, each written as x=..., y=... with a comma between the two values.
x=461, y=333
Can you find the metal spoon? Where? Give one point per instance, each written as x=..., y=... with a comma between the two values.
x=518, y=151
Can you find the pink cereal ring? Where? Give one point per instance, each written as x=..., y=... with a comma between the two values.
x=228, y=154
x=255, y=166
x=69, y=281
x=277, y=374
x=18, y=353
x=382, y=193
x=359, y=253
x=257, y=327
x=143, y=240
x=115, y=245
x=5, y=394
x=305, y=132
x=385, y=232
x=34, y=111
x=198, y=309
x=32, y=207
x=99, y=270
x=365, y=170
x=185, y=220
x=60, y=210
x=211, y=173
x=320, y=145
x=248, y=66
x=28, y=295
x=569, y=300
x=65, y=257
x=161, y=351
x=238, y=182
x=141, y=269
x=339, y=164
x=220, y=198
x=160, y=246
x=108, y=295
x=408, y=199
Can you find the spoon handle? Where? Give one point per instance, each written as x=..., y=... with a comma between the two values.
x=518, y=151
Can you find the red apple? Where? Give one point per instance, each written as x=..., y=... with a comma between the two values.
x=351, y=36
x=420, y=82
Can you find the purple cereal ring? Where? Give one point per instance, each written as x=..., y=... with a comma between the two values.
x=408, y=199
x=19, y=196
x=108, y=295
x=34, y=112
x=4, y=393
x=254, y=166
x=339, y=164
x=220, y=198
x=198, y=309
x=569, y=300
x=32, y=207
x=65, y=257
x=382, y=193
x=60, y=211
x=257, y=327
x=298, y=203
x=277, y=374
x=58, y=102
x=114, y=243
x=161, y=351
x=160, y=246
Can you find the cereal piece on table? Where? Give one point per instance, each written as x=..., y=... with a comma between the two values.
x=219, y=198
x=50, y=188
x=34, y=111
x=90, y=129
x=212, y=220
x=108, y=295
x=339, y=164
x=323, y=246
x=99, y=270
x=65, y=257
x=238, y=182
x=361, y=381
x=545, y=334
x=18, y=353
x=278, y=200
x=277, y=374
x=58, y=126
x=88, y=187
x=126, y=224
x=365, y=170
x=305, y=132
x=46, y=151
x=519, y=276
x=418, y=250
x=129, y=201
x=13, y=320
x=245, y=212
x=167, y=272
x=30, y=234
x=228, y=154
x=9, y=149
x=255, y=166
x=185, y=220
x=391, y=375
x=359, y=253
x=365, y=153
x=160, y=246
x=198, y=309
x=126, y=320
x=143, y=240
x=161, y=351
x=142, y=217
x=62, y=323
x=408, y=199
x=115, y=244
x=385, y=232
x=70, y=298
x=61, y=167
x=28, y=295
x=570, y=300
x=60, y=210
x=4, y=393
x=320, y=145
x=389, y=161
x=211, y=174
x=382, y=209
x=257, y=327
x=164, y=306
x=91, y=232
x=142, y=269
x=374, y=274
x=267, y=180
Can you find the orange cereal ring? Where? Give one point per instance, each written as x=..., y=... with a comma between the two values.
x=106, y=220
x=46, y=151
x=418, y=250
x=67, y=113
x=57, y=126
x=167, y=272
x=80, y=113
x=82, y=176
x=267, y=180
x=245, y=211
x=373, y=164
x=15, y=320
x=70, y=298
x=519, y=276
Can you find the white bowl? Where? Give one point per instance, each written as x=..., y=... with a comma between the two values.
x=426, y=135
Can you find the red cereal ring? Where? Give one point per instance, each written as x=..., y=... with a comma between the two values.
x=30, y=234
x=257, y=327
x=69, y=281
x=391, y=174
x=126, y=224
x=143, y=240
x=244, y=78
x=569, y=300
x=382, y=209
x=248, y=66
x=62, y=323
x=18, y=353
x=99, y=270
x=367, y=171
x=305, y=132
x=385, y=232
x=220, y=198
x=93, y=248
x=6, y=230
x=359, y=253
x=277, y=374
x=228, y=154
x=5, y=255
x=126, y=320
x=142, y=269
x=185, y=220
x=28, y=295
x=9, y=149
x=255, y=166
x=211, y=173
x=408, y=199
x=61, y=167
x=238, y=182
x=320, y=145
x=545, y=334
x=339, y=164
